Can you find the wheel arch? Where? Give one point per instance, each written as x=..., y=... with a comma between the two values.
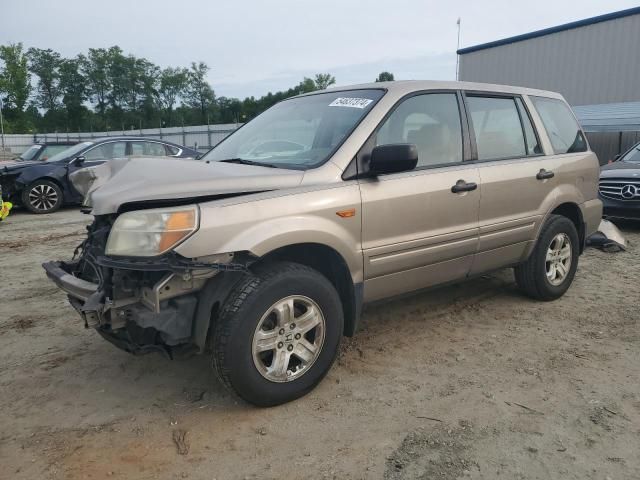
x=332, y=265
x=26, y=184
x=572, y=211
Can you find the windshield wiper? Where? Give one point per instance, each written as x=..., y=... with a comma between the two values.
x=243, y=161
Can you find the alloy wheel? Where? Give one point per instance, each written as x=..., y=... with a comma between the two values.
x=558, y=259
x=288, y=339
x=43, y=197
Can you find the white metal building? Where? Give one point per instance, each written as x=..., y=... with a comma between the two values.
x=594, y=63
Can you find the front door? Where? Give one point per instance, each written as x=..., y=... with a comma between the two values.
x=95, y=156
x=416, y=231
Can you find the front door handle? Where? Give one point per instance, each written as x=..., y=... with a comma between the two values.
x=545, y=174
x=462, y=186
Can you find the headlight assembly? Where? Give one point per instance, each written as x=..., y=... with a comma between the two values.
x=148, y=233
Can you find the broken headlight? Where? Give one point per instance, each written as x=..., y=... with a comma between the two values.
x=148, y=233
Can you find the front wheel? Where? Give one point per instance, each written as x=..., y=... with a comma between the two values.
x=42, y=196
x=549, y=271
x=278, y=334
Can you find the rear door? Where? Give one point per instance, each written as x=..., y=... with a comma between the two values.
x=517, y=178
x=147, y=149
x=416, y=232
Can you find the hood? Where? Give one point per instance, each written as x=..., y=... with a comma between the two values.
x=120, y=181
x=12, y=165
x=620, y=169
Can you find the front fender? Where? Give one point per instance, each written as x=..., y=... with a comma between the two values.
x=55, y=172
x=263, y=225
x=30, y=174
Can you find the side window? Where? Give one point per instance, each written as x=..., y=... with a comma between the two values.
x=147, y=149
x=533, y=145
x=106, y=151
x=171, y=150
x=51, y=150
x=431, y=122
x=561, y=126
x=497, y=127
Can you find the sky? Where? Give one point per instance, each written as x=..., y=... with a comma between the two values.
x=257, y=46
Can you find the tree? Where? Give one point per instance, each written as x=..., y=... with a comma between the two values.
x=95, y=68
x=73, y=89
x=45, y=64
x=323, y=80
x=307, y=85
x=15, y=85
x=199, y=93
x=109, y=89
x=172, y=86
x=14, y=77
x=385, y=77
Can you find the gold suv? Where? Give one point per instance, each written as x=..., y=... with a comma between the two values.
x=263, y=252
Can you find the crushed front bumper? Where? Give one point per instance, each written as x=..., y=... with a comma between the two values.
x=84, y=296
x=74, y=286
x=143, y=312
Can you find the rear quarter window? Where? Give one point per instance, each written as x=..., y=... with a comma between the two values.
x=561, y=126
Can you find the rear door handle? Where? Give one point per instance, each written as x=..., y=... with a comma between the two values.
x=545, y=174
x=462, y=186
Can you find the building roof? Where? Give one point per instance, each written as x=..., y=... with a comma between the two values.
x=609, y=117
x=548, y=31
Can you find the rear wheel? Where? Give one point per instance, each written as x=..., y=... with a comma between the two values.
x=42, y=196
x=549, y=271
x=278, y=334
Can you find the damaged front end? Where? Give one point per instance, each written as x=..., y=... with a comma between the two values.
x=142, y=305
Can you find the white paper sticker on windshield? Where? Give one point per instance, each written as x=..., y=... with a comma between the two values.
x=350, y=102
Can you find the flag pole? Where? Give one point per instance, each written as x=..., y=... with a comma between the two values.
x=458, y=48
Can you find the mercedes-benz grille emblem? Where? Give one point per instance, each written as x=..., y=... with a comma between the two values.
x=629, y=191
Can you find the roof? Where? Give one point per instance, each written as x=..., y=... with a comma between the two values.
x=132, y=138
x=548, y=31
x=403, y=87
x=609, y=117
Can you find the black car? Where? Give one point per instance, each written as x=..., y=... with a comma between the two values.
x=44, y=186
x=43, y=151
x=620, y=185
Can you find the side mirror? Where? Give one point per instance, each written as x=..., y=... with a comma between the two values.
x=79, y=160
x=616, y=157
x=393, y=158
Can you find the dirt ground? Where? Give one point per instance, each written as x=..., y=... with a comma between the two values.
x=469, y=381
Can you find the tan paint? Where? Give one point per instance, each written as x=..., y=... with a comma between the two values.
x=408, y=230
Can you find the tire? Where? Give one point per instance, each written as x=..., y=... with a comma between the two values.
x=546, y=280
x=42, y=196
x=249, y=322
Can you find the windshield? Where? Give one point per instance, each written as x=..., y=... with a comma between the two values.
x=30, y=153
x=69, y=152
x=632, y=155
x=301, y=133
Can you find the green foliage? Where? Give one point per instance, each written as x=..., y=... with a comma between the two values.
x=72, y=88
x=172, y=85
x=15, y=85
x=385, y=77
x=109, y=90
x=199, y=94
x=324, y=80
x=45, y=64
